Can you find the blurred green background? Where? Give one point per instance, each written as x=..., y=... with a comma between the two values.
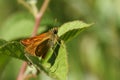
x=93, y=55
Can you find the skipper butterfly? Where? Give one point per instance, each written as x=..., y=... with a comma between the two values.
x=39, y=45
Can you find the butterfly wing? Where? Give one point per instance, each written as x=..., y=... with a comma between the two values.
x=39, y=45
x=43, y=48
x=32, y=43
x=29, y=41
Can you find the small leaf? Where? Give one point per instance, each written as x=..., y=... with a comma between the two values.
x=71, y=29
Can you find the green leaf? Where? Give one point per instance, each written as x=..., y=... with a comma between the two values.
x=7, y=49
x=2, y=42
x=60, y=68
x=4, y=60
x=71, y=29
x=54, y=66
x=14, y=49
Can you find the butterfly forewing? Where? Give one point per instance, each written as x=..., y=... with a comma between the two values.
x=32, y=43
x=29, y=41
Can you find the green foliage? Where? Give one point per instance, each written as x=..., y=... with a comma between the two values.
x=54, y=66
x=20, y=25
x=2, y=42
x=71, y=29
x=93, y=55
x=17, y=26
x=14, y=49
x=58, y=70
x=57, y=59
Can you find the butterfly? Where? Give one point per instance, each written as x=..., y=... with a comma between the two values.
x=39, y=45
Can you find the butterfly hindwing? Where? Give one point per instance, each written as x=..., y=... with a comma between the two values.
x=42, y=48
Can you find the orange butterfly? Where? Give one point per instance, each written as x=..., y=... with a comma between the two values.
x=39, y=45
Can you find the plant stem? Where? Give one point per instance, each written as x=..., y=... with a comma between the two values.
x=25, y=5
x=38, y=18
x=22, y=70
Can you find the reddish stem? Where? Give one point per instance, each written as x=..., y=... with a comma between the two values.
x=22, y=70
x=39, y=16
x=37, y=22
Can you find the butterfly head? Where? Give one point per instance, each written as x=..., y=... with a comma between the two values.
x=54, y=30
